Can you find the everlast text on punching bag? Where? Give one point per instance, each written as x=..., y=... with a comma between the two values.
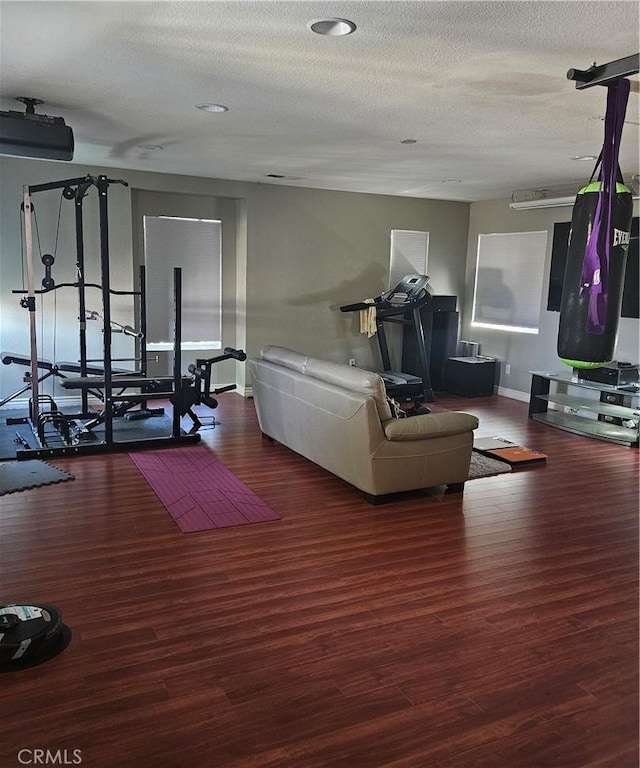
x=592, y=299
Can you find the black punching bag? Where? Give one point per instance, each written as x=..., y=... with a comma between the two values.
x=590, y=308
x=597, y=255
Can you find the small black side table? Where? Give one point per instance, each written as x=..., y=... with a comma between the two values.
x=470, y=376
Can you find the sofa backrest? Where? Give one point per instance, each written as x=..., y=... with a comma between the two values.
x=344, y=376
x=284, y=357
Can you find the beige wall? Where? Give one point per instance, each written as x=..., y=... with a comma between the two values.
x=524, y=352
x=311, y=251
x=298, y=255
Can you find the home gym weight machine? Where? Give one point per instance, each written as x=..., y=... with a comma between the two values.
x=110, y=385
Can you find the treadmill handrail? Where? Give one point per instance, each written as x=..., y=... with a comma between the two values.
x=360, y=305
x=415, y=297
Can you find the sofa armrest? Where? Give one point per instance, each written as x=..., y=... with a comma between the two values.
x=428, y=425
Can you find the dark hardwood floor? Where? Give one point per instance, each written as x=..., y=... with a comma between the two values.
x=496, y=629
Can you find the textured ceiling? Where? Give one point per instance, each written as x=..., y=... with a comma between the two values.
x=480, y=86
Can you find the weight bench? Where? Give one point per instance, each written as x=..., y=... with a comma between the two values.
x=12, y=358
x=157, y=388
x=90, y=369
x=52, y=369
x=9, y=358
x=125, y=380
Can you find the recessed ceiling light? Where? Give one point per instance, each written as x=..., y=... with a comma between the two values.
x=584, y=157
x=212, y=107
x=451, y=181
x=408, y=141
x=152, y=147
x=332, y=27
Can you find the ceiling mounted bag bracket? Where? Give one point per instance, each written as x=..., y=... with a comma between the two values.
x=605, y=74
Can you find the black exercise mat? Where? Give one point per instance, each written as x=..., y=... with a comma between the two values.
x=8, y=432
x=20, y=475
x=137, y=429
x=123, y=431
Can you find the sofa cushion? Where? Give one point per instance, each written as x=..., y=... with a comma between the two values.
x=284, y=357
x=429, y=425
x=353, y=379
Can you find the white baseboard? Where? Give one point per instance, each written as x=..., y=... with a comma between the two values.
x=524, y=397
x=514, y=394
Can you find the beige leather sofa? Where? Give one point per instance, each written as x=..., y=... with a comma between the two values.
x=338, y=417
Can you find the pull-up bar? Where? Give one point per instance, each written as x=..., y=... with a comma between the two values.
x=605, y=74
x=85, y=181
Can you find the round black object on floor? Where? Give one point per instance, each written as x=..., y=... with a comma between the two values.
x=30, y=635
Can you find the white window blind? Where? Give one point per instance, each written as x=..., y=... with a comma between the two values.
x=195, y=245
x=409, y=254
x=508, y=283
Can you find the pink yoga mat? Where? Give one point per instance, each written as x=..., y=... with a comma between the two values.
x=199, y=492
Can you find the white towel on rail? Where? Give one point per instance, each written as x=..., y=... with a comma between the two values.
x=368, y=319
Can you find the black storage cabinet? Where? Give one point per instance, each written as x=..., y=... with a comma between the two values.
x=470, y=376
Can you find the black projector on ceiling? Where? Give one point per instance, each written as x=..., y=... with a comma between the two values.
x=31, y=135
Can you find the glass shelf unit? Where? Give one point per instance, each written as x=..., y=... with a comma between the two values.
x=613, y=416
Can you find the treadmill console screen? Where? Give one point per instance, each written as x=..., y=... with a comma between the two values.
x=411, y=289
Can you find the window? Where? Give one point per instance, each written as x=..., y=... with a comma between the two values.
x=195, y=245
x=409, y=254
x=508, y=283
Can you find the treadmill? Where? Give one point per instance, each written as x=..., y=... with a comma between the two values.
x=402, y=305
